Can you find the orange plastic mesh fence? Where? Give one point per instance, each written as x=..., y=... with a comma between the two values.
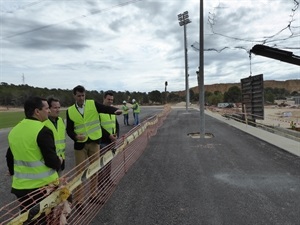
x=83, y=191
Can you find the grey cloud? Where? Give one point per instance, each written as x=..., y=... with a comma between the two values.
x=92, y=3
x=32, y=34
x=154, y=8
x=119, y=23
x=50, y=38
x=158, y=24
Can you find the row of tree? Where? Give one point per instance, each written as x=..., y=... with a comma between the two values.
x=15, y=95
x=234, y=95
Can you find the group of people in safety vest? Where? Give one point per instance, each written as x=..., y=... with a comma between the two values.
x=36, y=153
x=136, y=111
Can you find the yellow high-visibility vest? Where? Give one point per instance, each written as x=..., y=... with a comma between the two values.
x=108, y=122
x=136, y=108
x=87, y=124
x=30, y=171
x=125, y=109
x=59, y=136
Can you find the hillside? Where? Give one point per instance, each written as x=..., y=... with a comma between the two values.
x=290, y=85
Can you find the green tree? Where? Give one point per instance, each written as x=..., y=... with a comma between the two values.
x=215, y=98
x=173, y=97
x=280, y=93
x=155, y=96
x=295, y=93
x=269, y=96
x=233, y=94
x=193, y=97
x=207, y=94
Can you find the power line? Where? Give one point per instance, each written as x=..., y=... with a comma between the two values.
x=25, y=6
x=74, y=18
x=267, y=39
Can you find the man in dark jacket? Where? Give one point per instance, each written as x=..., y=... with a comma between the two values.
x=110, y=133
x=83, y=127
x=31, y=157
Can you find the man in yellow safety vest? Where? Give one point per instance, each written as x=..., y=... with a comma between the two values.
x=83, y=127
x=31, y=157
x=57, y=125
x=136, y=111
x=125, y=110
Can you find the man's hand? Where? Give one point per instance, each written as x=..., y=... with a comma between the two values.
x=113, y=137
x=80, y=137
x=118, y=112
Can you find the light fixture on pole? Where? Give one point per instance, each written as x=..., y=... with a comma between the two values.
x=183, y=21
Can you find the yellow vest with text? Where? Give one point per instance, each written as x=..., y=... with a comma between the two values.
x=108, y=122
x=87, y=124
x=59, y=136
x=30, y=171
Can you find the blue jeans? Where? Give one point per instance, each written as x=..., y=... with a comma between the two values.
x=136, y=119
x=126, y=119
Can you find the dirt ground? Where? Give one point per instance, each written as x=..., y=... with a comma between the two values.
x=281, y=116
x=273, y=115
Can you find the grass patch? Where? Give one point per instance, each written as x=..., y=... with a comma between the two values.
x=10, y=119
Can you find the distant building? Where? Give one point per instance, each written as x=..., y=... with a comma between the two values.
x=297, y=100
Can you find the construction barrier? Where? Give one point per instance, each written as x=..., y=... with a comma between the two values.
x=83, y=191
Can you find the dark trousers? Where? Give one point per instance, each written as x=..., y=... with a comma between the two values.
x=104, y=179
x=126, y=117
x=27, y=200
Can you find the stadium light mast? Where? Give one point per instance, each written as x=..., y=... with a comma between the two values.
x=183, y=21
x=201, y=72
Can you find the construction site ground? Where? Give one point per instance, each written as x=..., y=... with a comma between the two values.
x=239, y=176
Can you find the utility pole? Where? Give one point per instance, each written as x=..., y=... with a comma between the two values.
x=166, y=84
x=183, y=21
x=201, y=72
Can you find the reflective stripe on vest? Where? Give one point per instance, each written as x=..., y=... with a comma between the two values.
x=80, y=126
x=33, y=176
x=28, y=164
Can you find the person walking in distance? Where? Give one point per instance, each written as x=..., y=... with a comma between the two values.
x=110, y=133
x=136, y=111
x=83, y=127
x=57, y=125
x=125, y=111
x=31, y=157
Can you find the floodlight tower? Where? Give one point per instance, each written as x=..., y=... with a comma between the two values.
x=201, y=71
x=166, y=84
x=183, y=21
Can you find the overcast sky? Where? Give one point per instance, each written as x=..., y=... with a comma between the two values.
x=138, y=45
